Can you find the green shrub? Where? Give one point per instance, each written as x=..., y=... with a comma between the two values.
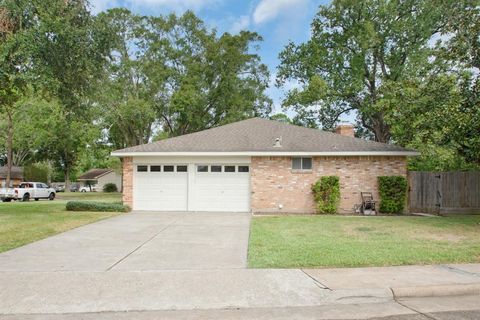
x=393, y=193
x=326, y=193
x=110, y=187
x=96, y=206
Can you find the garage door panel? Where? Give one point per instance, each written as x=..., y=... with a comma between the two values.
x=216, y=191
x=161, y=191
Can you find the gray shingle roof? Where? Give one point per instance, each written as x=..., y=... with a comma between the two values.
x=16, y=173
x=94, y=174
x=259, y=135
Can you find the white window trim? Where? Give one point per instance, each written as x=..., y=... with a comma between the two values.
x=236, y=166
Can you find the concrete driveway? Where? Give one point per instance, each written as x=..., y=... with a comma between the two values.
x=140, y=242
x=147, y=261
x=146, y=265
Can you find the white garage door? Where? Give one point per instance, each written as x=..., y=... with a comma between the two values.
x=221, y=188
x=192, y=187
x=160, y=188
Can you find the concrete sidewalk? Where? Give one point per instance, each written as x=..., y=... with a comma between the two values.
x=121, y=291
x=397, y=277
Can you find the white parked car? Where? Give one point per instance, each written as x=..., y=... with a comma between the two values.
x=88, y=188
x=27, y=191
x=7, y=194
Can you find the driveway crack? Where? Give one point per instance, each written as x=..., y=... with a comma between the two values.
x=318, y=283
x=459, y=271
x=143, y=243
x=413, y=309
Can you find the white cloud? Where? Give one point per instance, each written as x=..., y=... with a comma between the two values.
x=268, y=10
x=242, y=23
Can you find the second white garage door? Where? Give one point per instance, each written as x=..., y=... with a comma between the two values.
x=221, y=188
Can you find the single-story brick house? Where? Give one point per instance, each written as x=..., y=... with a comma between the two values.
x=254, y=165
x=16, y=176
x=100, y=177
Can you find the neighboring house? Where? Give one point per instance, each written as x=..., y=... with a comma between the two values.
x=100, y=177
x=16, y=176
x=254, y=165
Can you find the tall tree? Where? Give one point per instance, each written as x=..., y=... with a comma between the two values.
x=69, y=63
x=462, y=48
x=357, y=48
x=439, y=113
x=55, y=48
x=204, y=80
x=15, y=22
x=126, y=102
x=173, y=74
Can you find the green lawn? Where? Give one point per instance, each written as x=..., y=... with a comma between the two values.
x=25, y=222
x=340, y=241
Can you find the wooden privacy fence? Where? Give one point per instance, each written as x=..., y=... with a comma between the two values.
x=444, y=192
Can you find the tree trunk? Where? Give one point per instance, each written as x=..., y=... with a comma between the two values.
x=380, y=129
x=381, y=134
x=9, y=148
x=67, y=178
x=49, y=172
x=376, y=125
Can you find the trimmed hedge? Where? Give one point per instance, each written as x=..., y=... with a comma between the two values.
x=393, y=193
x=326, y=193
x=110, y=187
x=96, y=206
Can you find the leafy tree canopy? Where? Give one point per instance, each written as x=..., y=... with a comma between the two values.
x=356, y=49
x=408, y=69
x=55, y=49
x=173, y=74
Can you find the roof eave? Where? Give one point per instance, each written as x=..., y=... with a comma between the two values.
x=406, y=153
x=103, y=174
x=95, y=177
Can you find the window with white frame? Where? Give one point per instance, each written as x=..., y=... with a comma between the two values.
x=142, y=168
x=216, y=168
x=229, y=168
x=182, y=168
x=243, y=169
x=202, y=168
x=169, y=168
x=302, y=163
x=155, y=168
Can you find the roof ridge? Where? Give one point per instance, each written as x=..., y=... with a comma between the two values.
x=322, y=131
x=257, y=134
x=195, y=133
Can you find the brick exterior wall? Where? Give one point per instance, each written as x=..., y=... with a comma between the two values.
x=274, y=183
x=127, y=166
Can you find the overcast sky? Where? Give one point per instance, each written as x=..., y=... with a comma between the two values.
x=277, y=21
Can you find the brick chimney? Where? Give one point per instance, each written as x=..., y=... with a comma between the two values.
x=345, y=129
